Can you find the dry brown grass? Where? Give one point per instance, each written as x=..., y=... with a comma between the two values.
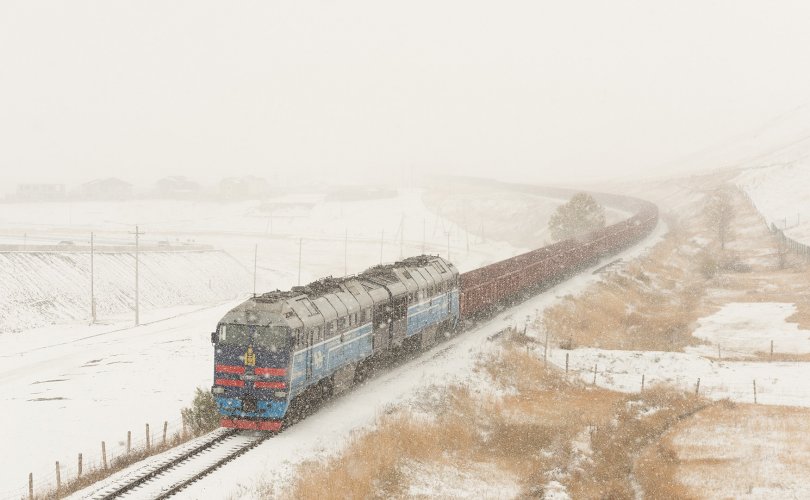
x=802, y=316
x=729, y=449
x=638, y=420
x=526, y=435
x=649, y=306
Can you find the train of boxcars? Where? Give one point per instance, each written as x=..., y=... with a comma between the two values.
x=277, y=353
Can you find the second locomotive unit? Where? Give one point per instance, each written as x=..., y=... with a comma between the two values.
x=283, y=349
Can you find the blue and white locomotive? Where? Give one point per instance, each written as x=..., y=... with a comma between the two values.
x=280, y=351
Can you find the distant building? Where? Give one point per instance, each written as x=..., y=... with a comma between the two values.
x=176, y=187
x=105, y=189
x=40, y=192
x=246, y=187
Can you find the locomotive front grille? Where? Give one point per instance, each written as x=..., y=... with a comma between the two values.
x=249, y=404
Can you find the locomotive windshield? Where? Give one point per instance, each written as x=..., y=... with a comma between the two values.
x=273, y=337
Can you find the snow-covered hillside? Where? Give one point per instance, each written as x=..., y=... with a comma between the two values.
x=41, y=288
x=780, y=192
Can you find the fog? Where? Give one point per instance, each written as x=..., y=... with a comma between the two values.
x=365, y=90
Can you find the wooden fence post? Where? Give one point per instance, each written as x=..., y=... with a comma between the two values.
x=771, y=358
x=697, y=387
x=719, y=356
x=566, y=363
x=594, y=374
x=80, y=466
x=58, y=479
x=129, y=441
x=147, y=436
x=755, y=391
x=642, y=382
x=104, y=454
x=165, y=425
x=30, y=486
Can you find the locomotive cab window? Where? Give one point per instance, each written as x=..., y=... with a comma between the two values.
x=273, y=338
x=235, y=334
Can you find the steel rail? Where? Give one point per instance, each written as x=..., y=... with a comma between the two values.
x=167, y=466
x=211, y=468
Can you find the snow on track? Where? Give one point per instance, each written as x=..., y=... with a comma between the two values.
x=166, y=478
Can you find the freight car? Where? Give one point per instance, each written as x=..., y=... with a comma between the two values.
x=277, y=353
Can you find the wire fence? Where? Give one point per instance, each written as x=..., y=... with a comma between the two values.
x=786, y=223
x=110, y=455
x=756, y=381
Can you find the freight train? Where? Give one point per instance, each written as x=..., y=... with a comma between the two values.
x=279, y=352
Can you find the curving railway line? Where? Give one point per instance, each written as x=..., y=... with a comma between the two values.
x=484, y=290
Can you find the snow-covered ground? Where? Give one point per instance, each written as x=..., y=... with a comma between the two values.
x=747, y=329
x=781, y=194
x=756, y=452
x=68, y=387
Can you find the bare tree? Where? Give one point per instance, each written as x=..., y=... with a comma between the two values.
x=720, y=213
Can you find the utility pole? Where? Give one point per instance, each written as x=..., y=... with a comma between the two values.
x=137, y=283
x=255, y=255
x=92, y=281
x=424, y=233
x=300, y=244
x=464, y=223
x=402, y=236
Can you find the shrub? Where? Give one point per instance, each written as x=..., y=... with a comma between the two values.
x=202, y=416
x=567, y=344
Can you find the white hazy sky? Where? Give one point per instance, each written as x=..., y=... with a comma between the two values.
x=541, y=90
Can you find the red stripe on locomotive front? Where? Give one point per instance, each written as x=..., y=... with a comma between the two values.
x=230, y=369
x=277, y=372
x=269, y=385
x=229, y=382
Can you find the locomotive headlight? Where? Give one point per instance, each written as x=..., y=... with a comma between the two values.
x=218, y=390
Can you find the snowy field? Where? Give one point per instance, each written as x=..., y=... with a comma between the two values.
x=78, y=384
x=737, y=331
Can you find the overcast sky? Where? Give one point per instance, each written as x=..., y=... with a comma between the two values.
x=541, y=90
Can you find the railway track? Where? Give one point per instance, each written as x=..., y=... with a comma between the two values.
x=168, y=477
